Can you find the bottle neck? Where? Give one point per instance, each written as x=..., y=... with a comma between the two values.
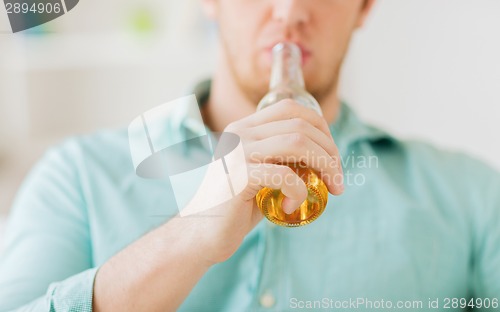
x=286, y=69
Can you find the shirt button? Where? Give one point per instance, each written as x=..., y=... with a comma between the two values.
x=267, y=300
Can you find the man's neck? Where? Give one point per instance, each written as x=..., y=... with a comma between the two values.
x=227, y=103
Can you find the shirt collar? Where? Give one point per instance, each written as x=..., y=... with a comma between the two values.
x=348, y=129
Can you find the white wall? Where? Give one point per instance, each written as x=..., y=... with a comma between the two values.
x=430, y=69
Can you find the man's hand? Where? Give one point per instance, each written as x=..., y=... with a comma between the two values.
x=284, y=132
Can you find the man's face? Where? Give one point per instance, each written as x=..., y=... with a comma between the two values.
x=250, y=28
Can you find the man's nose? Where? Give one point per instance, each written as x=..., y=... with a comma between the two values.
x=290, y=13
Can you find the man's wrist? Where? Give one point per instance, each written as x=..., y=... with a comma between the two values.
x=188, y=240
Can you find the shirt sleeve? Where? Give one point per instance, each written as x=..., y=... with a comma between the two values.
x=46, y=264
x=73, y=294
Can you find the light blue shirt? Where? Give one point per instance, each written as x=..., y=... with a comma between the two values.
x=415, y=224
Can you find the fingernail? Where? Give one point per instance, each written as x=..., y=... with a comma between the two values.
x=341, y=188
x=288, y=205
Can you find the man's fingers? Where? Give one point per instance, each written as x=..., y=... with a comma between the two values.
x=295, y=125
x=297, y=148
x=290, y=205
x=278, y=177
x=284, y=110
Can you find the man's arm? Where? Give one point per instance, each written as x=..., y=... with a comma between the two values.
x=47, y=240
x=158, y=272
x=47, y=263
x=155, y=273
x=49, y=236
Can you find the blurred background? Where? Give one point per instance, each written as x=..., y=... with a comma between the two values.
x=422, y=69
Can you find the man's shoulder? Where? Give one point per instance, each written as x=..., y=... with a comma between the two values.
x=105, y=150
x=447, y=158
x=437, y=165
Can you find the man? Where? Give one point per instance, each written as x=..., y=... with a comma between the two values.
x=422, y=225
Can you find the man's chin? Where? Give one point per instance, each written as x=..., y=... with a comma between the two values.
x=253, y=92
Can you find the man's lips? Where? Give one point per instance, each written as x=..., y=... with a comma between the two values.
x=306, y=53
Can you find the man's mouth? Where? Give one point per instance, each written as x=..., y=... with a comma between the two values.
x=305, y=53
